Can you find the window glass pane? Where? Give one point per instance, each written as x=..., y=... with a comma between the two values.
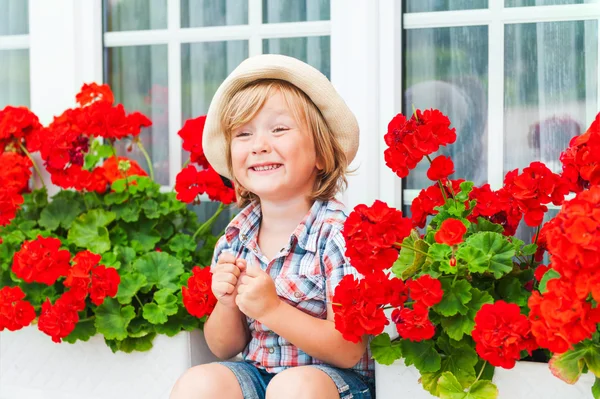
x=199, y=13
x=138, y=78
x=446, y=69
x=204, y=67
x=315, y=51
x=529, y=3
x=14, y=78
x=551, y=80
x=14, y=17
x=123, y=15
x=443, y=5
x=296, y=10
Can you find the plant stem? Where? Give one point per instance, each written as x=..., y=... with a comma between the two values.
x=481, y=372
x=148, y=161
x=139, y=301
x=411, y=248
x=439, y=181
x=33, y=162
x=537, y=235
x=186, y=163
x=209, y=222
x=87, y=319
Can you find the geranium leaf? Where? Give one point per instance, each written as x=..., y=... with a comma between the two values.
x=498, y=250
x=128, y=212
x=512, y=291
x=476, y=260
x=182, y=244
x=410, y=262
x=485, y=225
x=59, y=212
x=139, y=327
x=569, y=365
x=150, y=208
x=384, y=351
x=465, y=189
x=456, y=296
x=83, y=331
x=596, y=389
x=458, y=325
x=450, y=388
x=129, y=286
x=145, y=241
x=160, y=269
x=422, y=354
x=178, y=322
x=141, y=344
x=549, y=275
x=112, y=319
x=89, y=231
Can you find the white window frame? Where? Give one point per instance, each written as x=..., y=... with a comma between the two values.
x=15, y=42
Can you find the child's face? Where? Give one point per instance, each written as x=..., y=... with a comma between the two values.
x=272, y=155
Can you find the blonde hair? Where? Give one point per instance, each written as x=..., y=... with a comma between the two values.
x=247, y=102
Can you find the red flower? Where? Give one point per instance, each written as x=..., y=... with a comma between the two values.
x=94, y=92
x=112, y=172
x=581, y=161
x=191, y=134
x=15, y=172
x=105, y=282
x=10, y=203
x=451, y=232
x=190, y=183
x=60, y=319
x=41, y=261
x=409, y=140
x=15, y=313
x=356, y=312
x=413, y=324
x=371, y=233
x=540, y=271
x=428, y=199
x=198, y=298
x=426, y=291
x=441, y=167
x=18, y=124
x=501, y=332
x=88, y=277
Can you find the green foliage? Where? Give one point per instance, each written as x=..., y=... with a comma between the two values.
x=125, y=226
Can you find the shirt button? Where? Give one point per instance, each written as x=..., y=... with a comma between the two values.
x=271, y=350
x=244, y=237
x=298, y=294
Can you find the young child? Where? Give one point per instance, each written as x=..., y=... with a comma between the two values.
x=278, y=128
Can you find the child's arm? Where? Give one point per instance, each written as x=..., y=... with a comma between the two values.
x=257, y=298
x=226, y=330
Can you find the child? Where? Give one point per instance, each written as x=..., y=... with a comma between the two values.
x=278, y=128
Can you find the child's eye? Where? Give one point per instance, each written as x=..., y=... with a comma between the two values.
x=242, y=134
x=279, y=129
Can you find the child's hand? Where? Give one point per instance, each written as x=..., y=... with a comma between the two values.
x=256, y=293
x=226, y=278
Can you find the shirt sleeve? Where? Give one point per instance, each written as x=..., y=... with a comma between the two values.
x=335, y=263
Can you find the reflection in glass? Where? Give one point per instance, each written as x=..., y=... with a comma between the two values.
x=138, y=78
x=275, y=11
x=551, y=80
x=443, y=5
x=124, y=15
x=315, y=51
x=204, y=67
x=14, y=78
x=199, y=13
x=530, y=3
x=446, y=69
x=14, y=17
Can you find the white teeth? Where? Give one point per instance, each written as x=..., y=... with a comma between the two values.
x=267, y=167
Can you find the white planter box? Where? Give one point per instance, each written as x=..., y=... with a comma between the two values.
x=525, y=381
x=34, y=367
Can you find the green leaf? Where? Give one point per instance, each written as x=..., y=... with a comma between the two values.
x=456, y=296
x=458, y=325
x=182, y=321
x=145, y=241
x=83, y=331
x=529, y=249
x=112, y=319
x=97, y=152
x=139, y=327
x=129, y=286
x=465, y=189
x=596, y=389
x=549, y=275
x=151, y=210
x=410, y=262
x=160, y=269
x=119, y=186
x=485, y=225
x=89, y=231
x=166, y=305
x=476, y=260
x=570, y=365
x=512, y=291
x=116, y=198
x=450, y=388
x=128, y=211
x=497, y=249
x=141, y=344
x=422, y=354
x=384, y=351
x=59, y=212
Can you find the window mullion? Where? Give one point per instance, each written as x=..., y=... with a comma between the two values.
x=174, y=91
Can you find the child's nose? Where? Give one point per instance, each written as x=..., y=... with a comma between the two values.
x=260, y=144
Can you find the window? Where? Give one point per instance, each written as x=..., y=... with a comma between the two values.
x=14, y=53
x=516, y=82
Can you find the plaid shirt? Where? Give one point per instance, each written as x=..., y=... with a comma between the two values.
x=305, y=272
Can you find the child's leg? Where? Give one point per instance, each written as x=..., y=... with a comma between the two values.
x=206, y=382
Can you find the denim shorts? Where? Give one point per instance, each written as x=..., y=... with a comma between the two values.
x=254, y=381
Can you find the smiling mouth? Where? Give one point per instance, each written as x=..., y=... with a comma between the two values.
x=264, y=168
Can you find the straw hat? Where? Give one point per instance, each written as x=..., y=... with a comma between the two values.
x=318, y=88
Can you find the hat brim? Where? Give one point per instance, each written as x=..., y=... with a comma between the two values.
x=338, y=116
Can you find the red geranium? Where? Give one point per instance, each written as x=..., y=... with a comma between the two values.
x=371, y=234
x=113, y=170
x=413, y=324
x=198, y=298
x=190, y=183
x=426, y=291
x=15, y=313
x=41, y=261
x=451, y=232
x=60, y=319
x=581, y=161
x=501, y=332
x=191, y=134
x=88, y=277
x=430, y=198
x=18, y=124
x=10, y=203
x=441, y=167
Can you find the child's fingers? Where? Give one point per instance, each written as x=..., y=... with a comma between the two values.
x=226, y=257
x=241, y=264
x=222, y=288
